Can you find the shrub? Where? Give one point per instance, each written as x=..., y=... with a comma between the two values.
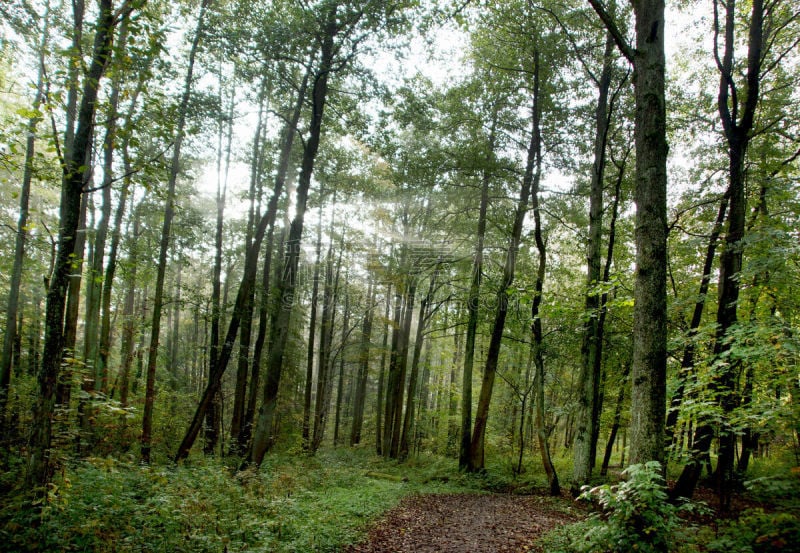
x=636, y=516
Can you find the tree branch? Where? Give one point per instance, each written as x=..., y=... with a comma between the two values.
x=608, y=21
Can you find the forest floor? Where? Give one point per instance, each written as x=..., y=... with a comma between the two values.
x=465, y=522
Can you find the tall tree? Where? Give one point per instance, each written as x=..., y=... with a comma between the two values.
x=41, y=463
x=649, y=365
x=166, y=229
x=6, y=356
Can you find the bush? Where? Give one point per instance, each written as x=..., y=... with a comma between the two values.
x=757, y=531
x=636, y=516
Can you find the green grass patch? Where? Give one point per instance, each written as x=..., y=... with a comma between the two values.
x=295, y=503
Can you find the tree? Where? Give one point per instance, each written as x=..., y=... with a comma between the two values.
x=649, y=365
x=6, y=356
x=169, y=213
x=40, y=463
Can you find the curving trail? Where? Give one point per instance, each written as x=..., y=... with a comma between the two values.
x=464, y=523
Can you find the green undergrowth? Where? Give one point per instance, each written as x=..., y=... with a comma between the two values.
x=294, y=503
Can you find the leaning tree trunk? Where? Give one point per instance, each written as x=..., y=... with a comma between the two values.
x=169, y=212
x=40, y=462
x=476, y=450
x=279, y=330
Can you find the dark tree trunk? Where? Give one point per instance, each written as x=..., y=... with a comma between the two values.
x=585, y=444
x=473, y=302
x=279, y=330
x=166, y=229
x=40, y=462
x=476, y=450
x=12, y=305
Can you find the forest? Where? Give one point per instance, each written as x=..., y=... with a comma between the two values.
x=317, y=275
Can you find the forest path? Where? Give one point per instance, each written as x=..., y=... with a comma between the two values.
x=464, y=523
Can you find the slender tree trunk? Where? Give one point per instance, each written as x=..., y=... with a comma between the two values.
x=169, y=212
x=476, y=450
x=363, y=367
x=40, y=463
x=584, y=446
x=473, y=303
x=279, y=330
x=12, y=306
x=312, y=329
x=379, y=407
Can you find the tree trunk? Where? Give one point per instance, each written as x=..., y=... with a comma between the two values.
x=169, y=212
x=473, y=303
x=585, y=445
x=279, y=330
x=312, y=330
x=12, y=305
x=476, y=450
x=40, y=463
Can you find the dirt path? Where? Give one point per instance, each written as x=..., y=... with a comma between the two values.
x=464, y=523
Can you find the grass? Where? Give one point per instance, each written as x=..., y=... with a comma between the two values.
x=294, y=503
